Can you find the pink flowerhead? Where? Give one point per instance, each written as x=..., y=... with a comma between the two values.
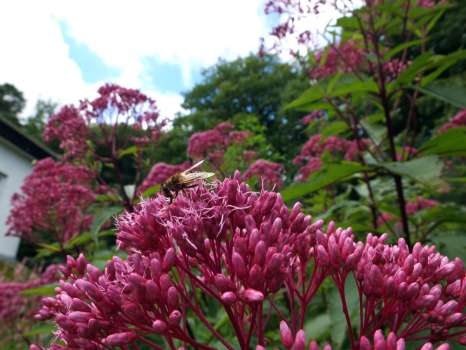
x=268, y=172
x=457, y=121
x=52, y=202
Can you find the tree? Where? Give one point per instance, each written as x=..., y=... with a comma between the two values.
x=12, y=102
x=35, y=124
x=256, y=85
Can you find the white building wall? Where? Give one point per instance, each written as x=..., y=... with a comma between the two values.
x=15, y=165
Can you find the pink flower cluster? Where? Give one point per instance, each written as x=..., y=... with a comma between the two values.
x=419, y=204
x=346, y=57
x=393, y=68
x=70, y=128
x=213, y=143
x=12, y=303
x=239, y=248
x=115, y=107
x=412, y=207
x=312, y=150
x=268, y=172
x=380, y=342
x=459, y=120
x=52, y=202
x=159, y=173
x=311, y=117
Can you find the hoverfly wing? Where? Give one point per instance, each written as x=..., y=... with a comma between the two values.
x=192, y=177
x=198, y=164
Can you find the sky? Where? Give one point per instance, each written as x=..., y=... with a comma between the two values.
x=64, y=50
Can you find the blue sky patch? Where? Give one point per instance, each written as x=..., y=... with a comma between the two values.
x=91, y=66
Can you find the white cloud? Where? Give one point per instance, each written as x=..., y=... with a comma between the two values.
x=190, y=33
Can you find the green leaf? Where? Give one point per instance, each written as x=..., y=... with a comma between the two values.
x=375, y=131
x=46, y=289
x=313, y=94
x=447, y=92
x=451, y=245
x=329, y=174
x=334, y=128
x=338, y=86
x=442, y=64
x=150, y=191
x=101, y=217
x=127, y=151
x=318, y=326
x=86, y=237
x=41, y=328
x=425, y=170
x=47, y=249
x=450, y=143
x=419, y=64
x=400, y=48
x=367, y=85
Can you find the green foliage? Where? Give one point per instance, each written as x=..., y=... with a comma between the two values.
x=329, y=174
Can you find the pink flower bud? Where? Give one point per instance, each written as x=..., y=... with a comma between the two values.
x=256, y=277
x=260, y=252
x=300, y=341
x=228, y=297
x=223, y=283
x=152, y=291
x=427, y=346
x=253, y=296
x=239, y=265
x=81, y=263
x=155, y=269
x=254, y=238
x=444, y=346
x=174, y=318
x=322, y=256
x=118, y=339
x=172, y=297
x=90, y=289
x=159, y=326
x=70, y=261
x=448, y=308
x=412, y=290
x=80, y=316
x=445, y=270
x=93, y=272
x=165, y=282
x=375, y=276
x=260, y=347
x=275, y=231
x=408, y=264
x=400, y=344
x=169, y=259
x=136, y=280
x=454, y=318
x=365, y=344
x=274, y=264
x=285, y=335
x=379, y=340
x=313, y=345
x=79, y=305
x=391, y=341
x=35, y=347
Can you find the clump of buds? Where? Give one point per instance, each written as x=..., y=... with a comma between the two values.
x=243, y=251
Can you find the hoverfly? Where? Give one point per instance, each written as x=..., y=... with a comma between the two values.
x=183, y=180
